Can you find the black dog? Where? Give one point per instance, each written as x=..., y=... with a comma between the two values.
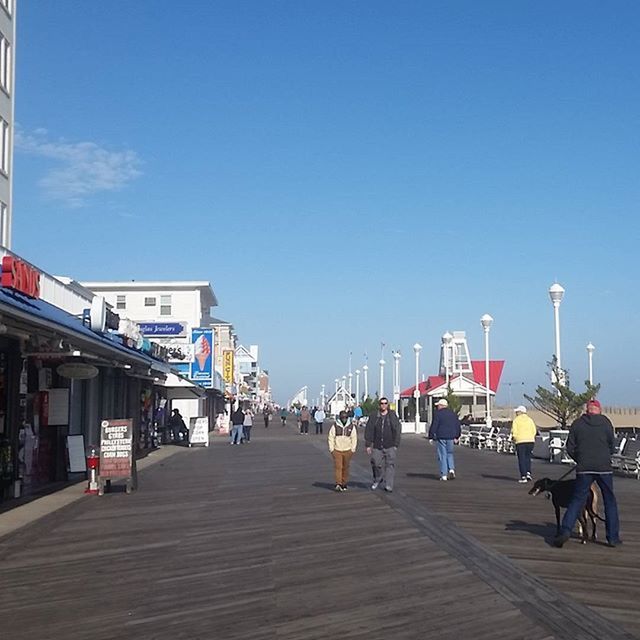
x=561, y=493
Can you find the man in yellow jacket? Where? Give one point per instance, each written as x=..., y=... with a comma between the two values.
x=523, y=432
x=343, y=440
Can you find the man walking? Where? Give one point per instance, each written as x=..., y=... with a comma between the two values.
x=237, y=429
x=445, y=430
x=343, y=440
x=305, y=417
x=590, y=443
x=318, y=418
x=382, y=439
x=523, y=432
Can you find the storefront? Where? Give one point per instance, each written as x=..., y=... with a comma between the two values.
x=60, y=378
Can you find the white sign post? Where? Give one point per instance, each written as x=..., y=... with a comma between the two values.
x=199, y=431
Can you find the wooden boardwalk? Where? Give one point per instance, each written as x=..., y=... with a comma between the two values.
x=251, y=542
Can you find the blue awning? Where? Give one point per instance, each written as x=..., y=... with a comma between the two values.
x=45, y=315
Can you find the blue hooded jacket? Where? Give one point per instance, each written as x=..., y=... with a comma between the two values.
x=445, y=425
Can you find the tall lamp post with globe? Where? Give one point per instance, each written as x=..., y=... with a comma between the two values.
x=486, y=321
x=590, y=350
x=417, y=348
x=556, y=293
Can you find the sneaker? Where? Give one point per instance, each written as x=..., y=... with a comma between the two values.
x=374, y=486
x=529, y=478
x=345, y=488
x=558, y=541
x=337, y=488
x=443, y=478
x=614, y=543
x=452, y=474
x=389, y=489
x=523, y=480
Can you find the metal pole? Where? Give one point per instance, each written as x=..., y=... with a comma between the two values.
x=416, y=391
x=486, y=374
x=382, y=363
x=366, y=380
x=358, y=386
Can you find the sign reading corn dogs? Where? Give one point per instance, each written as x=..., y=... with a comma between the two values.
x=202, y=364
x=227, y=365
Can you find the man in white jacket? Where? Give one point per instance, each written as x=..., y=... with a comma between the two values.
x=343, y=440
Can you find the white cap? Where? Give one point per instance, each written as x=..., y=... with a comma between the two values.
x=442, y=403
x=521, y=409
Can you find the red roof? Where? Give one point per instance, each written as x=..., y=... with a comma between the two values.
x=433, y=382
x=495, y=373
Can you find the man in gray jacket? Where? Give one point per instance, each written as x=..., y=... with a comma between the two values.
x=382, y=438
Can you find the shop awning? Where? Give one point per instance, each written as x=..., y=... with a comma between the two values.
x=38, y=313
x=179, y=388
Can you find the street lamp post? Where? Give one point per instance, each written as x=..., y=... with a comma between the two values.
x=556, y=293
x=396, y=380
x=486, y=322
x=365, y=370
x=509, y=385
x=447, y=338
x=416, y=392
x=337, y=381
x=590, y=350
x=322, y=396
x=350, y=375
x=382, y=363
x=357, y=386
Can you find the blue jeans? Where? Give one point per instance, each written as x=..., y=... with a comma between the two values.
x=583, y=482
x=237, y=433
x=445, y=456
x=524, y=451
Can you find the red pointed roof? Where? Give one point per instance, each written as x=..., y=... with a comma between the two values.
x=430, y=383
x=495, y=373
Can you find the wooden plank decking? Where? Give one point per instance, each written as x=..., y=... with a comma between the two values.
x=250, y=542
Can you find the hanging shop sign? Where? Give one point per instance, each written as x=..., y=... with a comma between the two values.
x=116, y=453
x=199, y=431
x=202, y=365
x=20, y=276
x=163, y=329
x=228, y=356
x=77, y=370
x=178, y=350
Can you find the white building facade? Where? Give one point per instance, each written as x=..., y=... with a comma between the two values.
x=7, y=102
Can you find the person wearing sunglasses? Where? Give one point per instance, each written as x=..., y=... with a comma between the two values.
x=382, y=439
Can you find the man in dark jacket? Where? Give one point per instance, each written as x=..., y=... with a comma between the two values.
x=590, y=443
x=445, y=430
x=382, y=438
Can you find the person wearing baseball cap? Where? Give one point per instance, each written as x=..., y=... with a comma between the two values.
x=523, y=432
x=591, y=443
x=445, y=430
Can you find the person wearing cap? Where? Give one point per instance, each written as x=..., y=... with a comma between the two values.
x=445, y=430
x=343, y=440
x=523, y=433
x=591, y=443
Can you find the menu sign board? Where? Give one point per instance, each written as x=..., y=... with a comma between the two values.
x=199, y=431
x=116, y=440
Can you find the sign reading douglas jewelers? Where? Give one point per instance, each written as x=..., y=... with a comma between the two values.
x=116, y=452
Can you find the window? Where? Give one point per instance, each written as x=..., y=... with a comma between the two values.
x=5, y=64
x=165, y=305
x=149, y=302
x=4, y=146
x=121, y=302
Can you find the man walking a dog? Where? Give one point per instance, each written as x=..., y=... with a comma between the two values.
x=523, y=432
x=445, y=430
x=591, y=443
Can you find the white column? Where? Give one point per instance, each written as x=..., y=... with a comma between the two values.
x=590, y=350
x=322, y=396
x=447, y=338
x=382, y=363
x=337, y=381
x=365, y=369
x=486, y=322
x=396, y=380
x=358, y=386
x=416, y=393
x=556, y=293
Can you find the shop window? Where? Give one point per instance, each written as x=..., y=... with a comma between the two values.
x=121, y=302
x=5, y=63
x=165, y=305
x=149, y=302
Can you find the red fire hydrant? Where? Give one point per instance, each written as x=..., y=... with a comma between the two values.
x=93, y=464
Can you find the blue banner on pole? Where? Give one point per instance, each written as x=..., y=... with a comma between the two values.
x=202, y=365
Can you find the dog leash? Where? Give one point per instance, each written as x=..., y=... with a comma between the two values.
x=564, y=475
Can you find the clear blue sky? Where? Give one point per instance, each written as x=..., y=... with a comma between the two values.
x=346, y=173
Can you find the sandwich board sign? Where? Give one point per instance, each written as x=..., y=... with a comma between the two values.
x=116, y=454
x=199, y=431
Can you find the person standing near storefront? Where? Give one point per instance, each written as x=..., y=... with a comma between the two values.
x=177, y=426
x=382, y=439
x=237, y=421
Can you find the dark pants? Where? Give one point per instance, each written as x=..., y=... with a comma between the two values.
x=304, y=426
x=583, y=484
x=266, y=422
x=247, y=433
x=524, y=451
x=318, y=427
